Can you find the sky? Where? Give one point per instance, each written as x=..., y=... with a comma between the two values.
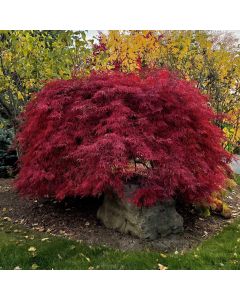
x=237, y=33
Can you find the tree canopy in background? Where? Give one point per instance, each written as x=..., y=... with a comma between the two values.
x=28, y=59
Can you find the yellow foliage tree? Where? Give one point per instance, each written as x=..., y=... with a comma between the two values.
x=30, y=58
x=126, y=50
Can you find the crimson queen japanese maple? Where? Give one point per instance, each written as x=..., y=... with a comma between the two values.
x=87, y=136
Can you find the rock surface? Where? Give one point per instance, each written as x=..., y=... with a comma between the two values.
x=144, y=222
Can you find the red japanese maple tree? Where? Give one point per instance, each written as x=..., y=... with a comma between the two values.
x=87, y=136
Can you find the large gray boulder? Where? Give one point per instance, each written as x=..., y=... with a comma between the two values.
x=152, y=222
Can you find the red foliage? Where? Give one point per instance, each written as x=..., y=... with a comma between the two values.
x=83, y=137
x=100, y=46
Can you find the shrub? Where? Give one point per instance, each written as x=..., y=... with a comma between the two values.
x=8, y=155
x=85, y=136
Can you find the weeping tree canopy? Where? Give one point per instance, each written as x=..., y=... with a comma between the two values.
x=101, y=132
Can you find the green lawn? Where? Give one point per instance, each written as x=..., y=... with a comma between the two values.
x=27, y=249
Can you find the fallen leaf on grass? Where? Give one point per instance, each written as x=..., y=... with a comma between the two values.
x=35, y=266
x=32, y=249
x=163, y=255
x=7, y=219
x=44, y=239
x=87, y=258
x=162, y=267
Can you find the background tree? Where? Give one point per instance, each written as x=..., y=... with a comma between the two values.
x=126, y=50
x=30, y=58
x=212, y=60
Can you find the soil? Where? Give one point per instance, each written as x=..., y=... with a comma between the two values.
x=76, y=219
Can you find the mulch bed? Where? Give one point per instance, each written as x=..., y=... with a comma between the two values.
x=76, y=219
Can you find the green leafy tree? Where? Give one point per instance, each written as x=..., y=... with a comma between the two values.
x=30, y=58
